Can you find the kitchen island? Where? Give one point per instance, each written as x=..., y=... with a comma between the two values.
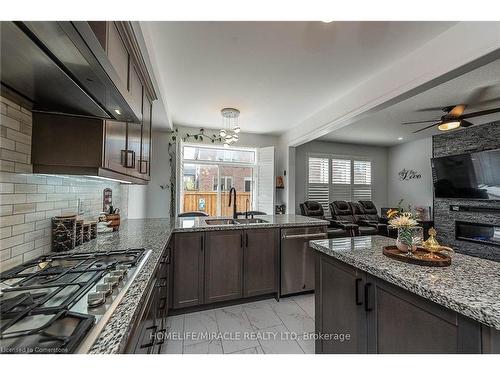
x=158, y=235
x=389, y=306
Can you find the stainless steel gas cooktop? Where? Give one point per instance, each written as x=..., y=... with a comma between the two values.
x=60, y=303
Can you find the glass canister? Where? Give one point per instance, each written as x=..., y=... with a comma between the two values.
x=409, y=238
x=63, y=233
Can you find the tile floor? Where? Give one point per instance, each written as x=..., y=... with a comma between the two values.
x=267, y=326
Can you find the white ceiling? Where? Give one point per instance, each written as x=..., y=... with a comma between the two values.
x=275, y=73
x=383, y=128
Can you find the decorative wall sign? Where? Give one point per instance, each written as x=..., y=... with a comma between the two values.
x=408, y=174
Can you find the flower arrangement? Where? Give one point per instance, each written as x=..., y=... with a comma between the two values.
x=410, y=235
x=402, y=220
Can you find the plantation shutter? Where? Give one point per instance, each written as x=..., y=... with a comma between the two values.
x=265, y=180
x=318, y=181
x=362, y=181
x=341, y=180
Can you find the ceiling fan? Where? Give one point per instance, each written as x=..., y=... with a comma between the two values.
x=454, y=116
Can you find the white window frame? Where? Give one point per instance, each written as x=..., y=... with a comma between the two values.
x=179, y=203
x=352, y=158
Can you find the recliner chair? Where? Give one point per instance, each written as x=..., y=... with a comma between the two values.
x=342, y=217
x=371, y=216
x=315, y=209
x=365, y=228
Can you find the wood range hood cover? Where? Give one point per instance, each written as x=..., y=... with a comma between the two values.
x=60, y=67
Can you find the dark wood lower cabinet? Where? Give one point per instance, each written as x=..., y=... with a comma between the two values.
x=260, y=261
x=188, y=269
x=217, y=266
x=223, y=266
x=149, y=333
x=383, y=318
x=339, y=307
x=402, y=322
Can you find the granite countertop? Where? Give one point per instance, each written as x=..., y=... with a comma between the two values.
x=154, y=234
x=470, y=286
x=198, y=224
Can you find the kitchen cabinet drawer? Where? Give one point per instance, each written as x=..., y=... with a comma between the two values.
x=149, y=333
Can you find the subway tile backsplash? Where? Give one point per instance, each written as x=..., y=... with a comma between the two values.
x=29, y=201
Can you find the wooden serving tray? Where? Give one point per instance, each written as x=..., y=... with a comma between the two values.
x=419, y=257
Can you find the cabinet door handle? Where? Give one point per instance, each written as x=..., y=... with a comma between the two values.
x=246, y=239
x=128, y=158
x=367, y=296
x=143, y=163
x=163, y=282
x=241, y=240
x=153, y=334
x=163, y=303
x=161, y=333
x=356, y=287
x=202, y=243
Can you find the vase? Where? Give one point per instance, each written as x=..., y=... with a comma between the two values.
x=409, y=238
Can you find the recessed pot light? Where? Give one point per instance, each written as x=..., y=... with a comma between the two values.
x=117, y=111
x=400, y=138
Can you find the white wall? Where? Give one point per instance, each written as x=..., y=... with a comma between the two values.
x=414, y=155
x=378, y=155
x=151, y=201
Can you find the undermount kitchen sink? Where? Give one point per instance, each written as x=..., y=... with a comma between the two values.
x=251, y=221
x=234, y=222
x=221, y=222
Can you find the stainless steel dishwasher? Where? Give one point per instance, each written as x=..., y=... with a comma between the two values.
x=297, y=259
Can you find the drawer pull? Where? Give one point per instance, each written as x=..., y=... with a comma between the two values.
x=356, y=286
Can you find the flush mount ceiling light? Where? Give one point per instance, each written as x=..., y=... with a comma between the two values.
x=230, y=127
x=450, y=125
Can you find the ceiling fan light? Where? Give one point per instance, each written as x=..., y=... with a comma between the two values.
x=450, y=125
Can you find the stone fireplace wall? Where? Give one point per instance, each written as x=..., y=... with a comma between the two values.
x=474, y=139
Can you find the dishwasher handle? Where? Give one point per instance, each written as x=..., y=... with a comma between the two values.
x=303, y=236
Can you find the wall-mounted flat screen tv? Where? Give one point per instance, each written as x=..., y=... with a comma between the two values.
x=474, y=176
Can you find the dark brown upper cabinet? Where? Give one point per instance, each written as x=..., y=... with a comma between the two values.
x=118, y=41
x=94, y=69
x=145, y=159
x=86, y=146
x=115, y=150
x=136, y=91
